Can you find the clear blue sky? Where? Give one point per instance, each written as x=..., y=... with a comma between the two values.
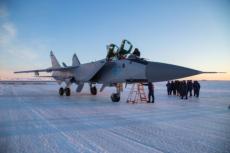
x=189, y=33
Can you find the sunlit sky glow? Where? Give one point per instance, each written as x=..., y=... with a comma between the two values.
x=193, y=34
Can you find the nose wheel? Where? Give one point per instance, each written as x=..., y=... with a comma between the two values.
x=65, y=91
x=93, y=90
x=115, y=97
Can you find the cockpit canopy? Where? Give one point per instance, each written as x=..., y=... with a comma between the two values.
x=116, y=53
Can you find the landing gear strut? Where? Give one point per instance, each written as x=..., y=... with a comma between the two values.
x=115, y=97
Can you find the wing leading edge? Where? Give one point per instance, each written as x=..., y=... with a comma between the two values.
x=61, y=69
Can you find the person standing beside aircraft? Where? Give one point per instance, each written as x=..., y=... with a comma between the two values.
x=173, y=87
x=178, y=86
x=169, y=88
x=151, y=92
x=189, y=84
x=196, y=88
x=180, y=83
x=184, y=90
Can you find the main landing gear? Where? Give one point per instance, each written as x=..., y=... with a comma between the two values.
x=115, y=97
x=93, y=89
x=65, y=91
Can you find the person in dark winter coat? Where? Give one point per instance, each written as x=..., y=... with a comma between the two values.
x=151, y=92
x=173, y=87
x=180, y=84
x=196, y=88
x=184, y=90
x=169, y=88
x=178, y=87
x=190, y=87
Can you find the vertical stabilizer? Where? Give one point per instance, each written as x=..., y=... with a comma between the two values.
x=75, y=60
x=54, y=61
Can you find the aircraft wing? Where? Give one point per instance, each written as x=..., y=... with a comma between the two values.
x=87, y=71
x=62, y=69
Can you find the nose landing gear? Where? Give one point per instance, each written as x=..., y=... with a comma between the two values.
x=93, y=90
x=115, y=97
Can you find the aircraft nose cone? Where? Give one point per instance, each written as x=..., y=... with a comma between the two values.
x=162, y=72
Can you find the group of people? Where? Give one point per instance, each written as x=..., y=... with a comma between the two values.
x=183, y=88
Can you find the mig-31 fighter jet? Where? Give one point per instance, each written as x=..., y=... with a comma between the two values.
x=120, y=66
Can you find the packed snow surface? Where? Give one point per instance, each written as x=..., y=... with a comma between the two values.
x=35, y=119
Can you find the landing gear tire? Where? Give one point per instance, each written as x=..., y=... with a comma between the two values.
x=115, y=97
x=61, y=91
x=93, y=90
x=67, y=91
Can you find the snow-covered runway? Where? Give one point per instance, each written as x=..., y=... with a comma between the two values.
x=35, y=119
